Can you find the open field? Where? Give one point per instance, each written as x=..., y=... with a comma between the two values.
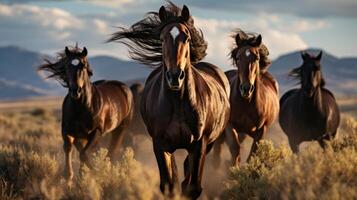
x=31, y=163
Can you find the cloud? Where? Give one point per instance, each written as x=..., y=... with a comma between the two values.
x=218, y=34
x=50, y=29
x=302, y=8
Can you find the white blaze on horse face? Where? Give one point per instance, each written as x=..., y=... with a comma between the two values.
x=247, y=52
x=174, y=33
x=75, y=62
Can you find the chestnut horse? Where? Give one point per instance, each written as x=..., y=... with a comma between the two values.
x=89, y=109
x=254, y=96
x=185, y=103
x=310, y=112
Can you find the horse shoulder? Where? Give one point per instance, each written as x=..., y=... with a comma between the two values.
x=269, y=80
x=216, y=73
x=287, y=95
x=328, y=92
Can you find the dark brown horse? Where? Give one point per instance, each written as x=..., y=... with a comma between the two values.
x=310, y=112
x=254, y=95
x=89, y=109
x=185, y=104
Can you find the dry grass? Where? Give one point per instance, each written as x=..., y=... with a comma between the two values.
x=31, y=166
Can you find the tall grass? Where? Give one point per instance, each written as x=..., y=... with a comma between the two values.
x=31, y=166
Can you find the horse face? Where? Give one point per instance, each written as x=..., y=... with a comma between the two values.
x=247, y=60
x=175, y=51
x=77, y=71
x=311, y=73
x=248, y=69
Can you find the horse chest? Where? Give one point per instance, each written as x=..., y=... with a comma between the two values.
x=79, y=125
x=246, y=118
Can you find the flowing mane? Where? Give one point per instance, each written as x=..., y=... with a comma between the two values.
x=57, y=70
x=143, y=38
x=264, y=61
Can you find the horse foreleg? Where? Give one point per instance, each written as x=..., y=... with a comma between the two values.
x=93, y=140
x=257, y=136
x=116, y=141
x=294, y=145
x=167, y=168
x=191, y=187
x=80, y=144
x=234, y=146
x=67, y=148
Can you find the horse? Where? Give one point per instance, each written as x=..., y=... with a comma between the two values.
x=185, y=103
x=89, y=110
x=254, y=96
x=310, y=112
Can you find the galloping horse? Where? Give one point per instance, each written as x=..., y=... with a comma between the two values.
x=254, y=95
x=89, y=109
x=310, y=112
x=185, y=103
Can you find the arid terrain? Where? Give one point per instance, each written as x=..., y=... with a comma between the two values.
x=31, y=163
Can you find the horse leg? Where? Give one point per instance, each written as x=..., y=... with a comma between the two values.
x=116, y=141
x=257, y=136
x=234, y=146
x=217, y=148
x=80, y=144
x=93, y=140
x=168, y=170
x=326, y=138
x=191, y=187
x=67, y=148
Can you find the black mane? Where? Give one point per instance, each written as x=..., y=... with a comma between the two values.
x=57, y=70
x=143, y=38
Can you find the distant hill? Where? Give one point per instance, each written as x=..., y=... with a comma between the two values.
x=19, y=78
x=340, y=73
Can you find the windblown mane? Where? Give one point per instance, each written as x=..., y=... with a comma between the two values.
x=143, y=38
x=264, y=61
x=296, y=74
x=57, y=70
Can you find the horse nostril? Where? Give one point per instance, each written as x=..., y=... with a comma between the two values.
x=182, y=75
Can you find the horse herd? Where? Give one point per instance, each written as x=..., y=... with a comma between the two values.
x=186, y=103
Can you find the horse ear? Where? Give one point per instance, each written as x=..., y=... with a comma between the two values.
x=318, y=57
x=239, y=39
x=258, y=41
x=66, y=50
x=304, y=55
x=162, y=14
x=185, y=13
x=84, y=52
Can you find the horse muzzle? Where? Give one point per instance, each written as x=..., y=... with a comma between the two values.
x=246, y=90
x=175, y=80
x=75, y=93
x=309, y=93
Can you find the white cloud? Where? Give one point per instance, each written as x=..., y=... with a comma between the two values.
x=218, y=35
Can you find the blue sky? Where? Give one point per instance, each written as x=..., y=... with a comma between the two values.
x=48, y=26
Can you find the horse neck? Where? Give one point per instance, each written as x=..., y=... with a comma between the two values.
x=315, y=102
x=86, y=98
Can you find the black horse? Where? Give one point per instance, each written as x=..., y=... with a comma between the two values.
x=311, y=112
x=89, y=109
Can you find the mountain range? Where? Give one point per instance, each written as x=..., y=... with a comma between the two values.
x=19, y=77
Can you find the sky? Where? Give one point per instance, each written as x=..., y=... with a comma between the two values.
x=285, y=25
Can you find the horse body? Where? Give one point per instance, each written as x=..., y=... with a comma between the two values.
x=248, y=116
x=306, y=119
x=180, y=119
x=104, y=109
